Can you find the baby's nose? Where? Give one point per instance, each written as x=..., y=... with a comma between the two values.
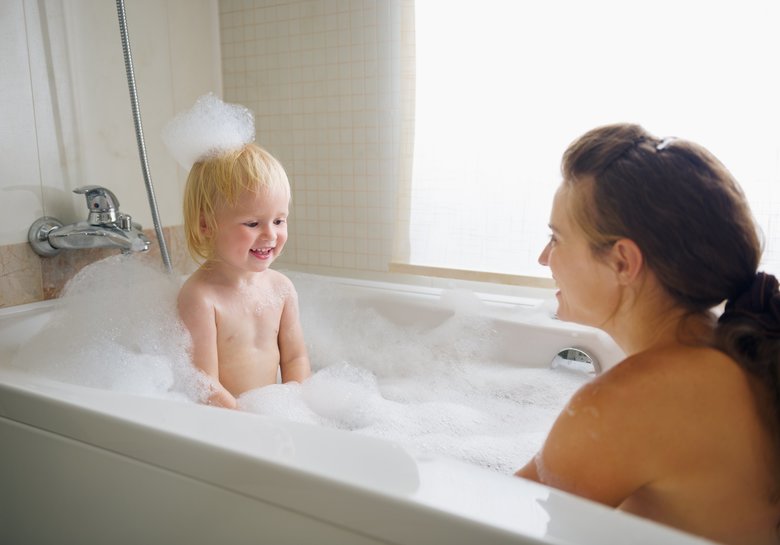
x=266, y=232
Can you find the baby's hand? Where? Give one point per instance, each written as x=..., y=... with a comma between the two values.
x=220, y=397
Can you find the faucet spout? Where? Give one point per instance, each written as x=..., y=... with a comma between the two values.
x=48, y=236
x=105, y=227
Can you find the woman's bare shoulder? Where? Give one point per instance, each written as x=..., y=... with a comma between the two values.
x=673, y=370
x=653, y=389
x=660, y=401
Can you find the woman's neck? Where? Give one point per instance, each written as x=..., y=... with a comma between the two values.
x=656, y=320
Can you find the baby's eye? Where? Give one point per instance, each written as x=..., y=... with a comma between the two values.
x=279, y=221
x=251, y=224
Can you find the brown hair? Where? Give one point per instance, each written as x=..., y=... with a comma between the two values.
x=691, y=220
x=675, y=200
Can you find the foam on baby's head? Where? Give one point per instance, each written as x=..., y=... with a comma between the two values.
x=210, y=127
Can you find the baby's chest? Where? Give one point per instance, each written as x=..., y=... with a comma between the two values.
x=249, y=326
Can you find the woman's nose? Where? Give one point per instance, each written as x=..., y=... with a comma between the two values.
x=543, y=257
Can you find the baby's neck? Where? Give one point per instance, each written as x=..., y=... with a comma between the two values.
x=225, y=274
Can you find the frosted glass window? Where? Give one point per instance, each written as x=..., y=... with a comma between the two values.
x=503, y=86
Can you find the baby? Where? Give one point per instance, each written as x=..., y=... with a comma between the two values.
x=242, y=315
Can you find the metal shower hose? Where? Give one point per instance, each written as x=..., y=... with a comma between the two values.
x=139, y=134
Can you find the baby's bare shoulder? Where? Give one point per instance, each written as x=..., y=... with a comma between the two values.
x=281, y=284
x=196, y=285
x=278, y=278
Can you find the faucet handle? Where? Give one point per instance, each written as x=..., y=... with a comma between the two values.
x=101, y=202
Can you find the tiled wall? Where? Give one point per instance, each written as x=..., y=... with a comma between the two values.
x=324, y=78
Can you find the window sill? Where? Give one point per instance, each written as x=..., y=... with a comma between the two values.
x=474, y=276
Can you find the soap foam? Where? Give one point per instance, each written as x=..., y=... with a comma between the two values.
x=209, y=127
x=116, y=326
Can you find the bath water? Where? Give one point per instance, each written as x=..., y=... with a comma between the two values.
x=427, y=386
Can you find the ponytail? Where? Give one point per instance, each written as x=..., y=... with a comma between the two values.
x=749, y=331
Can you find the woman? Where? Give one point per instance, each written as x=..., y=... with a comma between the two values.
x=648, y=236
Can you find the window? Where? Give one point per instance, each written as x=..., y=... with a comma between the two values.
x=503, y=86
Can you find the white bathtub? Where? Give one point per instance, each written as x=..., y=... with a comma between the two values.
x=84, y=465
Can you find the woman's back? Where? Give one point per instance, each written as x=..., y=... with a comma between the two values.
x=715, y=475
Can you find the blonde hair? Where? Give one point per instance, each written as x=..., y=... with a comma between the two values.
x=219, y=180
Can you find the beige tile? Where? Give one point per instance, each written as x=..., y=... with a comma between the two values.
x=20, y=275
x=177, y=248
x=58, y=270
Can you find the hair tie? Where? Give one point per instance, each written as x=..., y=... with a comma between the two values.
x=663, y=144
x=761, y=303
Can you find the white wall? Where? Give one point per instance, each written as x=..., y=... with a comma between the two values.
x=64, y=79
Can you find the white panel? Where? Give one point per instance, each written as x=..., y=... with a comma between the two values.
x=20, y=192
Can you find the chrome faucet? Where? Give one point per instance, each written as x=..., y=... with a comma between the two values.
x=105, y=227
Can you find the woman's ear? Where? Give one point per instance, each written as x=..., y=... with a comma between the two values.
x=627, y=260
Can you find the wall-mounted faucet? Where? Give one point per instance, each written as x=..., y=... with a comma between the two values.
x=105, y=227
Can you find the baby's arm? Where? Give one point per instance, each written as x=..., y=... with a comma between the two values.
x=198, y=315
x=294, y=359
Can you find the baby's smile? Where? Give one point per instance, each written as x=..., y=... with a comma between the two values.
x=262, y=253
